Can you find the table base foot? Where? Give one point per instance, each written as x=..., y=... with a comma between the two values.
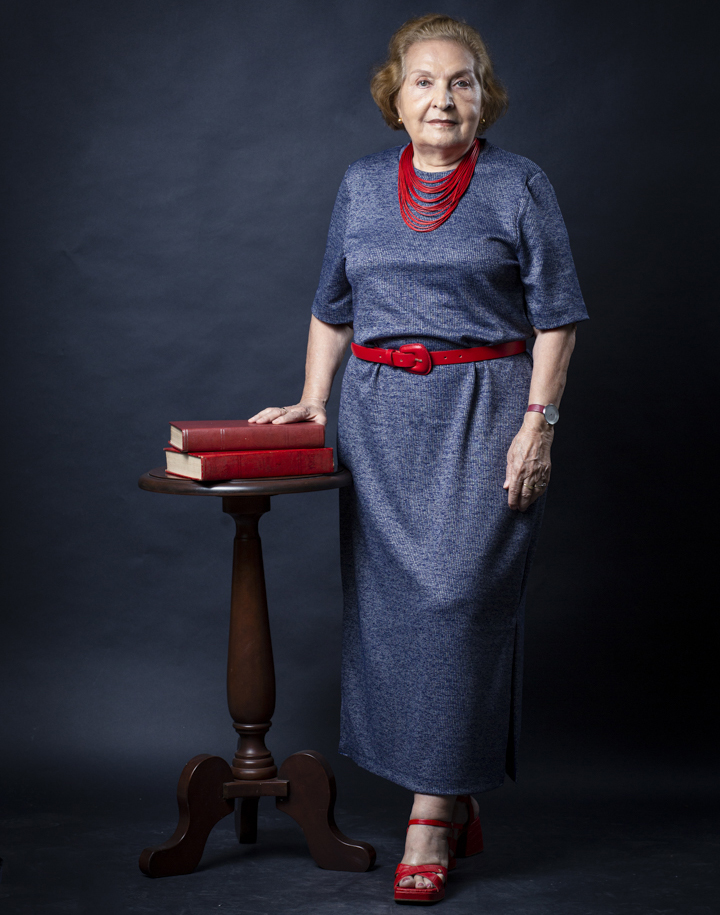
x=201, y=805
x=311, y=802
x=305, y=790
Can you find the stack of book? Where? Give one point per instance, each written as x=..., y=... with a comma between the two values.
x=236, y=449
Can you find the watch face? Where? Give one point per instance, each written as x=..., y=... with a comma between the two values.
x=552, y=414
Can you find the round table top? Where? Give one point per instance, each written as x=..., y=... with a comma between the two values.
x=158, y=481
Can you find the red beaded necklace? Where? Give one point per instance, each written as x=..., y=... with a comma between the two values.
x=445, y=193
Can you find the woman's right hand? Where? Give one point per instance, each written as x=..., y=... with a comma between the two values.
x=305, y=411
x=326, y=346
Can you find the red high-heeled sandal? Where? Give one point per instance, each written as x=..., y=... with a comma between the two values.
x=470, y=840
x=435, y=873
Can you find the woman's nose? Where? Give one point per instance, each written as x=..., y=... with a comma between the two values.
x=443, y=98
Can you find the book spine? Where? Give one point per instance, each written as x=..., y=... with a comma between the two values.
x=256, y=438
x=253, y=464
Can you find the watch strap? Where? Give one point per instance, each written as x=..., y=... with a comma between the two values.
x=549, y=411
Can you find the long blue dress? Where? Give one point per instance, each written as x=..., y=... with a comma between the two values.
x=434, y=563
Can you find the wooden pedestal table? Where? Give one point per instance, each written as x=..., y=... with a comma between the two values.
x=304, y=787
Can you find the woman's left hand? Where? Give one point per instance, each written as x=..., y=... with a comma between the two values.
x=528, y=462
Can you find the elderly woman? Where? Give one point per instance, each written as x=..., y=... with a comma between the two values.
x=444, y=255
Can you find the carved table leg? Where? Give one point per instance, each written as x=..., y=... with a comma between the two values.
x=208, y=786
x=202, y=805
x=311, y=802
x=251, y=671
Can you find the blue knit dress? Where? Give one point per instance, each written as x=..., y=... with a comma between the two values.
x=434, y=563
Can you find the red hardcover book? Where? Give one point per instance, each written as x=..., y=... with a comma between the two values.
x=240, y=435
x=239, y=465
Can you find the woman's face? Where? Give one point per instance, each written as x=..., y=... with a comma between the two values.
x=440, y=100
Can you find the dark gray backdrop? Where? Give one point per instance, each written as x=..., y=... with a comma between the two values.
x=169, y=173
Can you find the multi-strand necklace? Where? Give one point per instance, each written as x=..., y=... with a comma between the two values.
x=425, y=213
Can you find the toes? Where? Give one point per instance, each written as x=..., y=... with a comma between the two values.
x=423, y=883
x=418, y=882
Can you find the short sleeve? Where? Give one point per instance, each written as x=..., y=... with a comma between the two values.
x=333, y=299
x=552, y=291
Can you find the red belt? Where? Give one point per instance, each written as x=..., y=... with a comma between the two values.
x=413, y=357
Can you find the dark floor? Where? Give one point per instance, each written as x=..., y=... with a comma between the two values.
x=582, y=843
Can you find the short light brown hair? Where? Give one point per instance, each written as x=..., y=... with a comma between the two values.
x=388, y=78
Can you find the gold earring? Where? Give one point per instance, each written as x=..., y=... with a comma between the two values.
x=399, y=120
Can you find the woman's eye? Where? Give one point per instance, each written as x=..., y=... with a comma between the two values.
x=462, y=84
x=423, y=83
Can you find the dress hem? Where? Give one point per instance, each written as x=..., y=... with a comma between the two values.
x=477, y=788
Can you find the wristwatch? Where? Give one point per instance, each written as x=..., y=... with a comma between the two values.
x=550, y=412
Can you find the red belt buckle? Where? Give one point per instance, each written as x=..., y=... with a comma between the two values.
x=423, y=362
